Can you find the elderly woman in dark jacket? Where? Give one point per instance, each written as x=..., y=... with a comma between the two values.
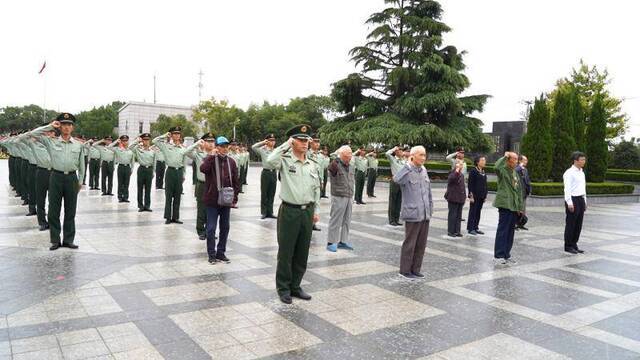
x=456, y=196
x=477, y=195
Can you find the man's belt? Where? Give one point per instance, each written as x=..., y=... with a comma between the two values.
x=146, y=167
x=129, y=165
x=44, y=168
x=263, y=169
x=64, y=172
x=301, y=207
x=176, y=168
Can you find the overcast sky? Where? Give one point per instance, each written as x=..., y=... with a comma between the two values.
x=255, y=50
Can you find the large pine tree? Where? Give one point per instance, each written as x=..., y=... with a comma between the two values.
x=597, y=149
x=409, y=86
x=563, y=132
x=537, y=143
x=579, y=119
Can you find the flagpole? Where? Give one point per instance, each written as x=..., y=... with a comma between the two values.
x=44, y=101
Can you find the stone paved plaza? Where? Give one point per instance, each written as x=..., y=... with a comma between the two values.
x=140, y=289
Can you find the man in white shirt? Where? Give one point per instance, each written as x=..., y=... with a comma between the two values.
x=575, y=198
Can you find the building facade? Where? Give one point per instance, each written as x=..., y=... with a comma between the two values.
x=507, y=136
x=135, y=118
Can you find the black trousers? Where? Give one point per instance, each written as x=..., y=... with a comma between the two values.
x=42, y=187
x=505, y=233
x=360, y=180
x=372, y=174
x=145, y=177
x=160, y=168
x=124, y=178
x=475, y=209
x=107, y=177
x=455, y=217
x=94, y=173
x=31, y=184
x=268, y=183
x=573, y=223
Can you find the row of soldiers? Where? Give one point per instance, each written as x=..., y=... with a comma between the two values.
x=35, y=156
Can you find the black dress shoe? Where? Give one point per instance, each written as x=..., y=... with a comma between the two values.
x=458, y=235
x=70, y=246
x=44, y=227
x=263, y=217
x=31, y=214
x=579, y=251
x=315, y=228
x=25, y=202
x=123, y=200
x=140, y=210
x=104, y=194
x=202, y=237
x=571, y=251
x=271, y=217
x=54, y=247
x=223, y=258
x=177, y=221
x=167, y=221
x=286, y=299
x=479, y=232
x=399, y=223
x=301, y=295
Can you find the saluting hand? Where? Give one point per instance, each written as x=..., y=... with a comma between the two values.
x=55, y=124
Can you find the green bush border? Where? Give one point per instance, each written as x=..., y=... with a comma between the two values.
x=557, y=189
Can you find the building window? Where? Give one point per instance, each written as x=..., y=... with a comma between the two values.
x=140, y=124
x=516, y=147
x=496, y=140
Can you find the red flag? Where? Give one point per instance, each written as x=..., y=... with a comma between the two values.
x=44, y=65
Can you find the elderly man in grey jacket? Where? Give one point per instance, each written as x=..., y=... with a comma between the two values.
x=342, y=175
x=417, y=208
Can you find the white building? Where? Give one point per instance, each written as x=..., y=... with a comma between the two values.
x=135, y=118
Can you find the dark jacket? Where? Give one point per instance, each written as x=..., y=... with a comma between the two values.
x=455, y=188
x=342, y=178
x=477, y=184
x=525, y=180
x=208, y=167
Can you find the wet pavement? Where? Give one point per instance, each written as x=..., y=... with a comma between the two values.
x=139, y=289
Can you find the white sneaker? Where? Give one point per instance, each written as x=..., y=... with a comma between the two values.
x=511, y=261
x=500, y=261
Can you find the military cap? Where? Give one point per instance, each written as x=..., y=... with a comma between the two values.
x=233, y=142
x=175, y=129
x=67, y=118
x=270, y=137
x=208, y=136
x=301, y=131
x=316, y=137
x=460, y=149
x=124, y=137
x=108, y=138
x=145, y=136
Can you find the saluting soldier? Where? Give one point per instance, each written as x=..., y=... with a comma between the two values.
x=29, y=168
x=43, y=174
x=146, y=158
x=67, y=163
x=6, y=143
x=106, y=159
x=160, y=168
x=396, y=162
x=316, y=156
x=174, y=155
x=268, y=178
x=245, y=164
x=300, y=194
x=124, y=159
x=94, y=165
x=360, y=162
x=198, y=152
x=372, y=172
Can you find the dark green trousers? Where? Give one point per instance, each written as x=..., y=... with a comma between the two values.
x=160, y=170
x=94, y=173
x=12, y=171
x=244, y=171
x=31, y=183
x=372, y=175
x=294, y=237
x=201, y=209
x=86, y=166
x=124, y=178
x=63, y=188
x=107, y=177
x=145, y=178
x=360, y=179
x=24, y=179
x=172, y=193
x=395, y=202
x=42, y=186
x=268, y=183
x=325, y=176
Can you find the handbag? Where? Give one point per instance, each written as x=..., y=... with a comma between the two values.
x=225, y=194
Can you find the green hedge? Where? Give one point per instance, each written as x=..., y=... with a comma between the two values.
x=623, y=176
x=636, y=171
x=555, y=189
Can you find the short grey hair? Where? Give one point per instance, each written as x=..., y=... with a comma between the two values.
x=343, y=148
x=417, y=149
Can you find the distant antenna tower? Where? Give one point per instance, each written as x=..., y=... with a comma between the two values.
x=200, y=85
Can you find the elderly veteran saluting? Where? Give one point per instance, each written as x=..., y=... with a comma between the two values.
x=300, y=194
x=67, y=163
